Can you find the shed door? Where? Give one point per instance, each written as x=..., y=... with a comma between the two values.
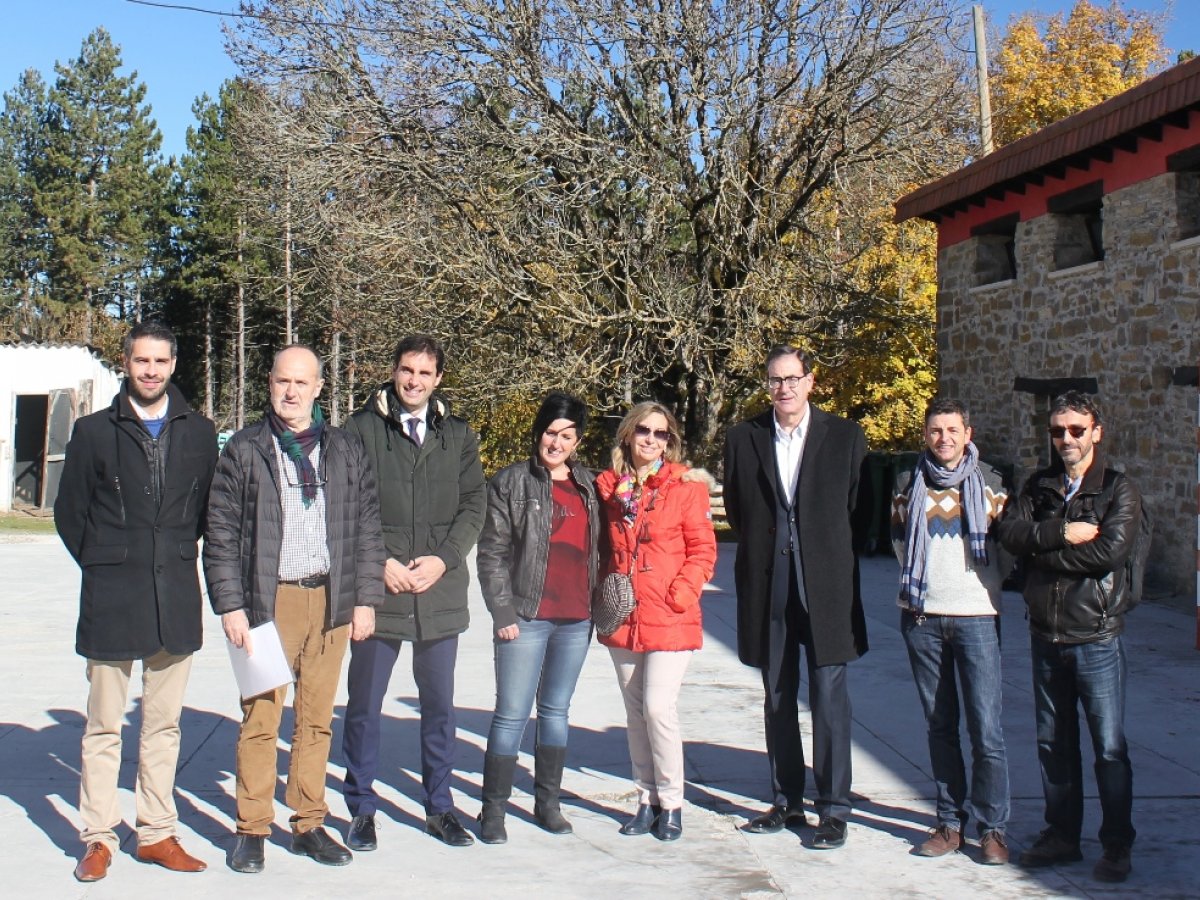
x=58, y=432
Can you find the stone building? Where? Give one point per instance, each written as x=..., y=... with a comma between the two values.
x=1071, y=258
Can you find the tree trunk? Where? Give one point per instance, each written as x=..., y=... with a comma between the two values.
x=87, y=316
x=289, y=332
x=208, y=359
x=351, y=377
x=335, y=363
x=239, y=391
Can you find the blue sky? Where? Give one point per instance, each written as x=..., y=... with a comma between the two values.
x=180, y=55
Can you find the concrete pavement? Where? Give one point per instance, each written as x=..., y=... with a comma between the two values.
x=41, y=720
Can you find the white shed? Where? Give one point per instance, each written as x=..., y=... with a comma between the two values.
x=44, y=388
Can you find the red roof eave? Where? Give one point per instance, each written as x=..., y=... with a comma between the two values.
x=1175, y=90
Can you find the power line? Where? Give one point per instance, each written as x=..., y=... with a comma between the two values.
x=262, y=17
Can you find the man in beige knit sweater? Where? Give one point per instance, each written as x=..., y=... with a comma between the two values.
x=951, y=573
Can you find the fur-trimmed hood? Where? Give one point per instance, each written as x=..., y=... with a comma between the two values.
x=384, y=403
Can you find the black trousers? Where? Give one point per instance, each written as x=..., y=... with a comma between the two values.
x=829, y=702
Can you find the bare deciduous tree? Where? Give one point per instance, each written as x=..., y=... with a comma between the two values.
x=625, y=195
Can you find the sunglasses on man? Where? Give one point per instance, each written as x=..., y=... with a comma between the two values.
x=1058, y=432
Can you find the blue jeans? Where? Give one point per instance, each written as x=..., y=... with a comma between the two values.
x=1093, y=676
x=543, y=661
x=949, y=653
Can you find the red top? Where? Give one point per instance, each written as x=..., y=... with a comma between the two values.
x=677, y=551
x=565, y=594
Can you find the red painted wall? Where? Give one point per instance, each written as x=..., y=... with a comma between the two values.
x=1126, y=168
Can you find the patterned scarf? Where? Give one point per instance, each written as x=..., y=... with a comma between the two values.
x=914, y=583
x=629, y=489
x=297, y=445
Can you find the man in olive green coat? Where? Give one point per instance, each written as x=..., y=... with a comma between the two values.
x=432, y=498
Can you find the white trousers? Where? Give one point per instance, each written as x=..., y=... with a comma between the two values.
x=650, y=684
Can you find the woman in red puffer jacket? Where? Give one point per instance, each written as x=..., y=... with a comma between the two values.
x=658, y=529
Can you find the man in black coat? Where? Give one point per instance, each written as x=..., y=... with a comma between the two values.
x=791, y=494
x=432, y=497
x=130, y=509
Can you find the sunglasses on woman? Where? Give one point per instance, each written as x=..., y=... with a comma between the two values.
x=659, y=434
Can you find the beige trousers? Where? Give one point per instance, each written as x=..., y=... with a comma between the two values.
x=650, y=684
x=315, y=655
x=164, y=679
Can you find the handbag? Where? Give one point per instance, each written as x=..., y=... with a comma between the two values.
x=616, y=601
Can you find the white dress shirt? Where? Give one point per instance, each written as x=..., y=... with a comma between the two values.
x=419, y=415
x=789, y=450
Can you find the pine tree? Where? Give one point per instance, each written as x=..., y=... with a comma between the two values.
x=23, y=238
x=101, y=192
x=211, y=285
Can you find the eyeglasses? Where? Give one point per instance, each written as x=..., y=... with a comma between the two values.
x=658, y=434
x=292, y=475
x=1058, y=432
x=791, y=382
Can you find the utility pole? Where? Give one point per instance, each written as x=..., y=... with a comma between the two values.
x=981, y=74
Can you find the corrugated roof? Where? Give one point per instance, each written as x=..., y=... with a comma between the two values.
x=56, y=345
x=1174, y=91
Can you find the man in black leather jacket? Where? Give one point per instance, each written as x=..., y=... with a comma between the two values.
x=1074, y=525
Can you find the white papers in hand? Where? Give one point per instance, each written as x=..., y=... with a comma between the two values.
x=266, y=668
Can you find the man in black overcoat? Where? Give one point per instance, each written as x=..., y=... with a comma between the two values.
x=791, y=495
x=130, y=509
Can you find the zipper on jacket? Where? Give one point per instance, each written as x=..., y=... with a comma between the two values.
x=188, y=500
x=1057, y=633
x=1099, y=587
x=120, y=496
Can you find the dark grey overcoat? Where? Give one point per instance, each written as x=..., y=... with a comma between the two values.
x=140, y=591
x=829, y=523
x=431, y=502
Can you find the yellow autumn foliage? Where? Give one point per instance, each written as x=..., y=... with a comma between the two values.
x=889, y=376
x=1050, y=66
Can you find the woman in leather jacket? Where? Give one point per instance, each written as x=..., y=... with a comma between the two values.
x=537, y=570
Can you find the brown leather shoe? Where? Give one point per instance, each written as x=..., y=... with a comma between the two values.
x=993, y=849
x=170, y=855
x=942, y=840
x=94, y=864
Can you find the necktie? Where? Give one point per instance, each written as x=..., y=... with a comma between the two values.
x=414, y=431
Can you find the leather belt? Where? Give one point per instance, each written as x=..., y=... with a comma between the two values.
x=312, y=581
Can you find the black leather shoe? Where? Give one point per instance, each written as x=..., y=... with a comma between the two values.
x=362, y=834
x=643, y=820
x=318, y=845
x=247, y=854
x=1050, y=849
x=830, y=834
x=447, y=829
x=777, y=819
x=669, y=825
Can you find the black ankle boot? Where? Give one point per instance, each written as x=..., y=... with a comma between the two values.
x=547, y=783
x=643, y=820
x=497, y=788
x=669, y=826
